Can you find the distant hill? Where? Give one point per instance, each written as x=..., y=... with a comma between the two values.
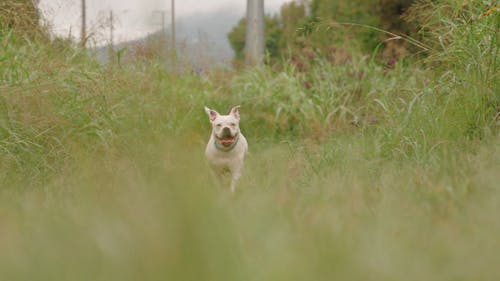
x=203, y=47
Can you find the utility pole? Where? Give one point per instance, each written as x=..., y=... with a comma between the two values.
x=83, y=32
x=173, y=24
x=111, y=41
x=163, y=27
x=254, y=37
x=163, y=14
x=111, y=28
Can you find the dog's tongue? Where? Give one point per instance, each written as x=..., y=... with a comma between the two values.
x=227, y=141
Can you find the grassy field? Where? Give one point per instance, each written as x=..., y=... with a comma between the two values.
x=355, y=172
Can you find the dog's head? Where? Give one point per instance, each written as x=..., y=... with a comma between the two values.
x=225, y=128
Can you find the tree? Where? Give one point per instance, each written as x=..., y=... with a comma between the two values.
x=391, y=19
x=272, y=38
x=348, y=26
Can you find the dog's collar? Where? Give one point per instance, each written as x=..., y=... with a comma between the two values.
x=226, y=148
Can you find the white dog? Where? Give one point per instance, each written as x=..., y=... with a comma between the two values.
x=227, y=146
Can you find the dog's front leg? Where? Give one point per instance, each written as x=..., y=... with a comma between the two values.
x=234, y=179
x=235, y=176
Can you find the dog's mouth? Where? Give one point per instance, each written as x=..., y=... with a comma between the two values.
x=227, y=140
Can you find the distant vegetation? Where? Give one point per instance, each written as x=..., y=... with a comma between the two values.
x=21, y=16
x=358, y=25
x=359, y=169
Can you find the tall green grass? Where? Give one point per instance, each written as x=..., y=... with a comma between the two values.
x=355, y=171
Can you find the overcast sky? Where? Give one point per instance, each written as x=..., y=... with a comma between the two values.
x=136, y=18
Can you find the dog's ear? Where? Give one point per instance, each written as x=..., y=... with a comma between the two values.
x=212, y=114
x=235, y=112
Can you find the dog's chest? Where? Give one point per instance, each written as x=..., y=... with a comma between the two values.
x=221, y=158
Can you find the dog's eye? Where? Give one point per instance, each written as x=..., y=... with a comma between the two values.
x=233, y=124
x=218, y=125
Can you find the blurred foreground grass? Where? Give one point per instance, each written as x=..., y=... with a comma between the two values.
x=156, y=214
x=356, y=172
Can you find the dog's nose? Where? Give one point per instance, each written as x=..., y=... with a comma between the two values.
x=226, y=132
